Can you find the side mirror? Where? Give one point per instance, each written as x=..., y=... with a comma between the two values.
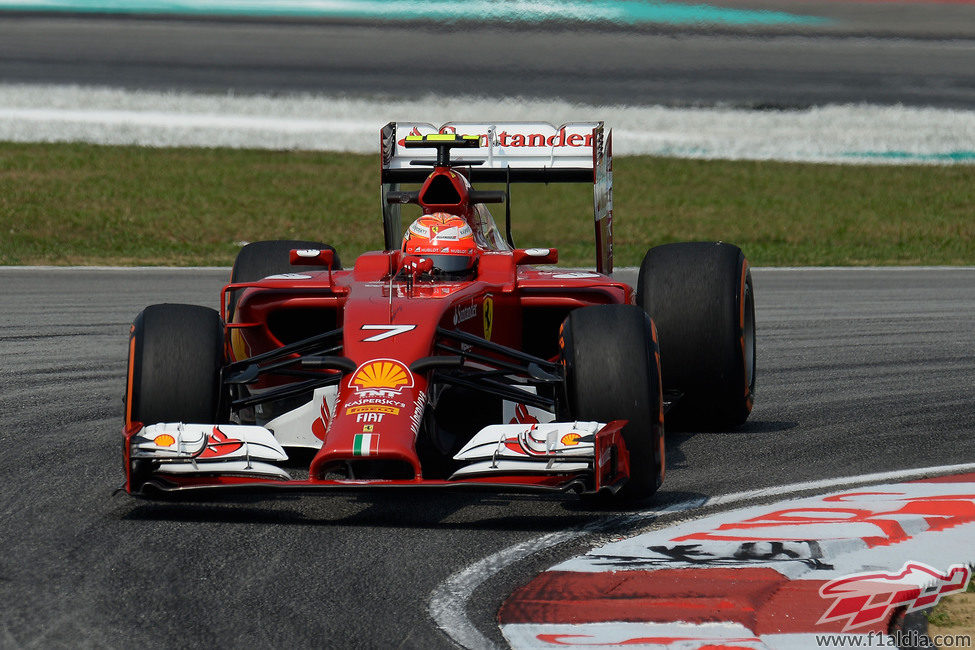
x=536, y=256
x=312, y=257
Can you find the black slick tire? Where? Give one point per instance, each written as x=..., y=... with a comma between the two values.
x=700, y=297
x=175, y=356
x=613, y=373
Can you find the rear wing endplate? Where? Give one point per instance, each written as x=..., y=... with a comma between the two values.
x=516, y=152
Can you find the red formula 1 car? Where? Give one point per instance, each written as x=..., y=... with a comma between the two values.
x=447, y=359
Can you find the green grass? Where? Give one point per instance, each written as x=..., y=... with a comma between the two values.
x=87, y=204
x=941, y=617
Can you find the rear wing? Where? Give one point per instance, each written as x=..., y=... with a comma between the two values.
x=510, y=152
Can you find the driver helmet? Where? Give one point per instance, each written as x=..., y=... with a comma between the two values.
x=446, y=239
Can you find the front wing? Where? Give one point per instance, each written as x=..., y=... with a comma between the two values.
x=558, y=456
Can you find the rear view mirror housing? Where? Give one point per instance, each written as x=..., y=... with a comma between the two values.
x=536, y=256
x=312, y=257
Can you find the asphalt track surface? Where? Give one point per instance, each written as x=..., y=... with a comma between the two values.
x=860, y=371
x=876, y=52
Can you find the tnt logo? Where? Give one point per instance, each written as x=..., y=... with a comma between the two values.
x=865, y=598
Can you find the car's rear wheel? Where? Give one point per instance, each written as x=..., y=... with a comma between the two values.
x=261, y=259
x=700, y=297
x=175, y=355
x=613, y=373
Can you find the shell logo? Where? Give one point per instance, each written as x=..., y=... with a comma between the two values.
x=382, y=374
x=164, y=440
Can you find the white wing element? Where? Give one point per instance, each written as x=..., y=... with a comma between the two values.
x=170, y=441
x=519, y=145
x=536, y=442
x=209, y=448
x=556, y=447
x=296, y=428
x=226, y=467
x=520, y=467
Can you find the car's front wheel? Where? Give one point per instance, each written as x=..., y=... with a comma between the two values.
x=613, y=373
x=175, y=356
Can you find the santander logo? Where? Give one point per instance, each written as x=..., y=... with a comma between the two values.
x=462, y=314
x=561, y=138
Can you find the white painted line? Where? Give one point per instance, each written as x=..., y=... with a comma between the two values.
x=897, y=269
x=159, y=119
x=448, y=603
x=831, y=269
x=880, y=477
x=838, y=133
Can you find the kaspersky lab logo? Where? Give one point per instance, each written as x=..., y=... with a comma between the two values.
x=872, y=596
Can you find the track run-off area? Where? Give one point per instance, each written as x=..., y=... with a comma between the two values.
x=864, y=375
x=849, y=134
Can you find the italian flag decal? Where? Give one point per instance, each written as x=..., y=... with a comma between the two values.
x=365, y=444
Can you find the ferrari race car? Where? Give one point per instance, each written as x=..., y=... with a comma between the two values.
x=452, y=358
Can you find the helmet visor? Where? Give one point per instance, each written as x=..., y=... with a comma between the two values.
x=451, y=263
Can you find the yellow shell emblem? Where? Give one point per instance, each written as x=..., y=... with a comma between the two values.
x=164, y=440
x=386, y=374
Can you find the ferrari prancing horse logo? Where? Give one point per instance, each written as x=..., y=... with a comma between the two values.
x=488, y=310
